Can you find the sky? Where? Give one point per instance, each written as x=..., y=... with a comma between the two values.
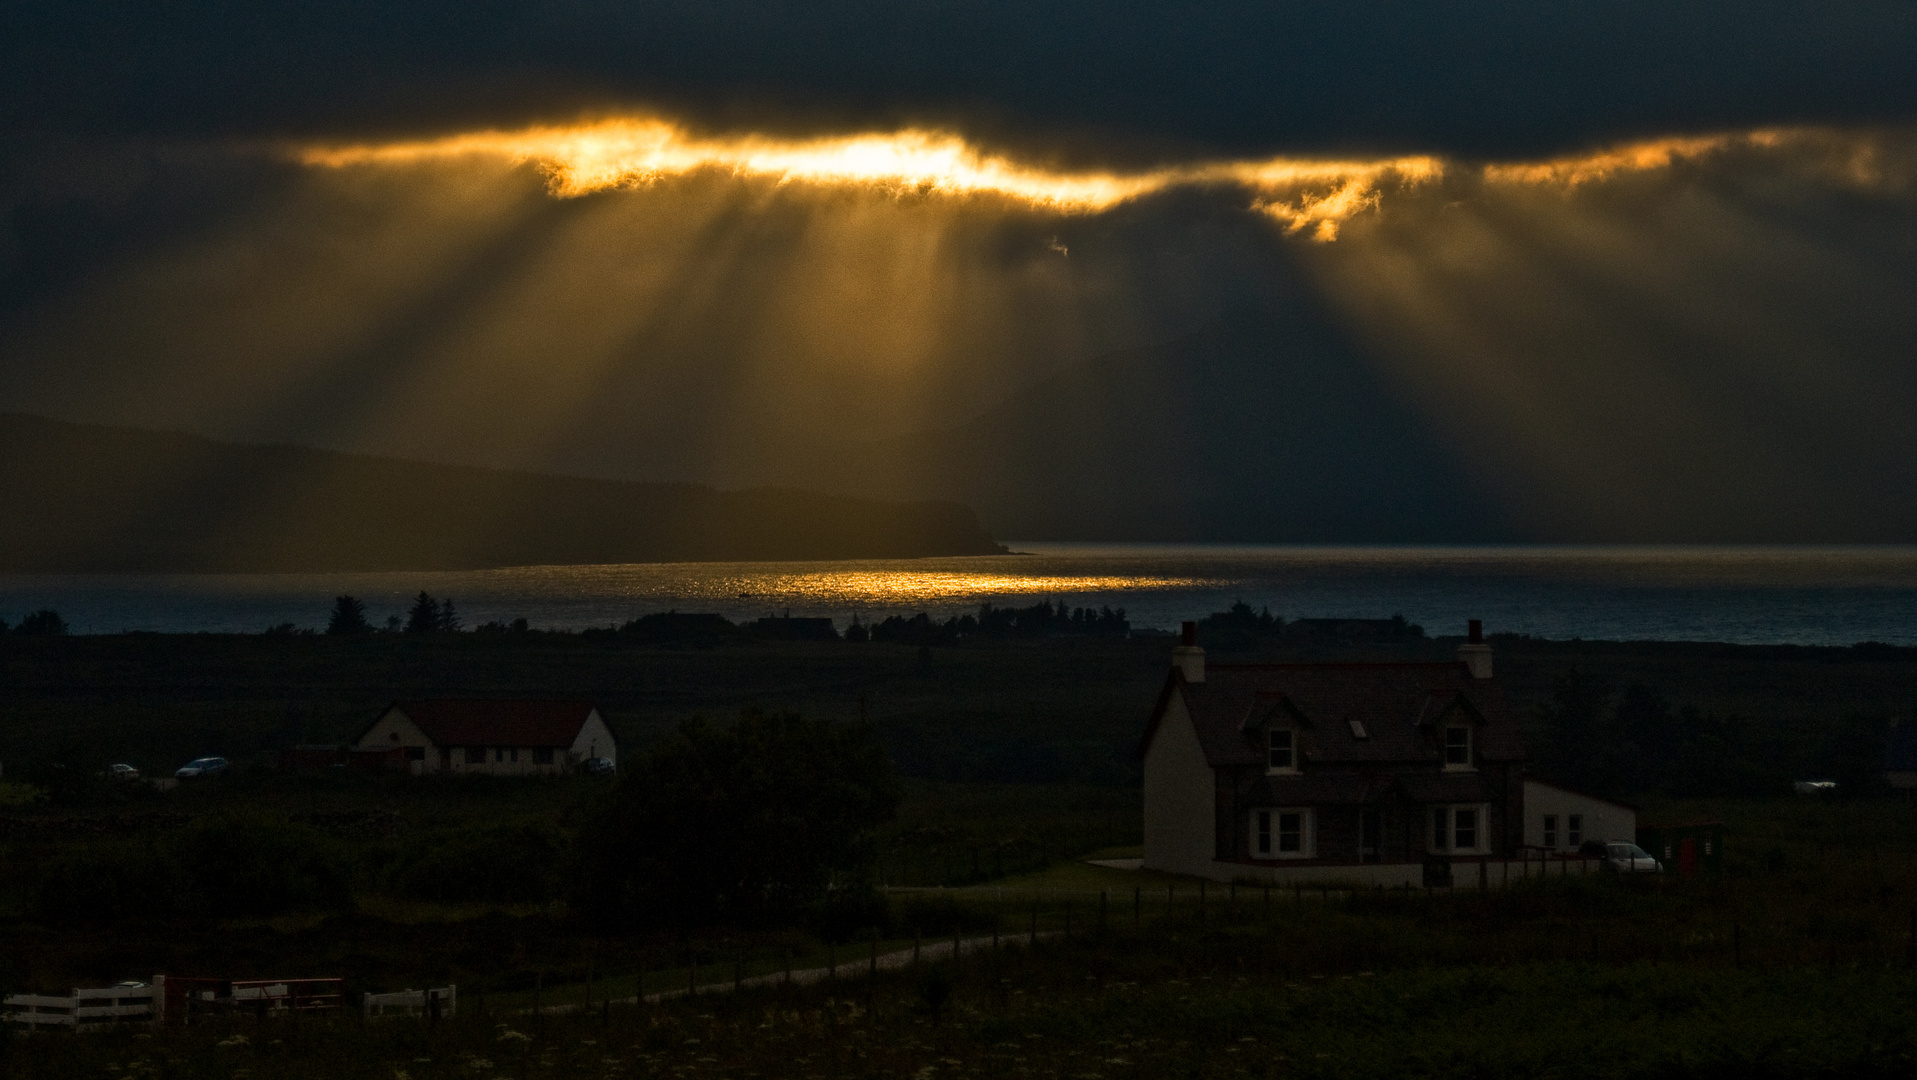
x=1391, y=271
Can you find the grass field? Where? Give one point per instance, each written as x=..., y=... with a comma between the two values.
x=1357, y=987
x=1793, y=963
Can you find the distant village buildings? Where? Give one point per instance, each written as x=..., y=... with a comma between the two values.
x=1391, y=773
x=483, y=737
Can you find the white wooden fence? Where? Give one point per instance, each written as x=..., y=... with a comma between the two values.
x=84, y=1008
x=412, y=1002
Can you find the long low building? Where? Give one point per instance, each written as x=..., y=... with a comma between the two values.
x=499, y=738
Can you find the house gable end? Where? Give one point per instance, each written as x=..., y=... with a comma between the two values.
x=1173, y=680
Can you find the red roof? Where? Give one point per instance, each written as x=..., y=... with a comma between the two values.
x=479, y=722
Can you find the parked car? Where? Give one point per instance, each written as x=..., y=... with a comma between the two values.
x=598, y=766
x=122, y=771
x=1814, y=787
x=1623, y=858
x=206, y=766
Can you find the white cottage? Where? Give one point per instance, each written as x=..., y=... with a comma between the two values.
x=500, y=738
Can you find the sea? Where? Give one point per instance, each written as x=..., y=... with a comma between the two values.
x=1750, y=595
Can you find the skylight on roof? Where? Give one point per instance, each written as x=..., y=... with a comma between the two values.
x=1358, y=729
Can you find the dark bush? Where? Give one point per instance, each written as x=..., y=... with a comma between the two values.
x=43, y=623
x=940, y=916
x=741, y=824
x=248, y=866
x=506, y=864
x=841, y=914
x=103, y=883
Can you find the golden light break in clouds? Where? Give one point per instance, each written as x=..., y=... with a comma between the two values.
x=1313, y=196
x=636, y=151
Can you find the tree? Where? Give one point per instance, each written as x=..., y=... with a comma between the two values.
x=448, y=618
x=1573, y=724
x=43, y=623
x=424, y=616
x=349, y=617
x=742, y=824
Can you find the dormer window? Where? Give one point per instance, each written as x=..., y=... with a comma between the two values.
x=1457, y=747
x=1358, y=729
x=1282, y=750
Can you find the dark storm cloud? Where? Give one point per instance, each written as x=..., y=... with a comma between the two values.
x=1485, y=77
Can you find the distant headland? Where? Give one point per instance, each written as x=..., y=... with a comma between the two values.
x=87, y=498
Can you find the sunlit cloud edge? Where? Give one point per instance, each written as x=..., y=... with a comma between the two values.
x=1312, y=196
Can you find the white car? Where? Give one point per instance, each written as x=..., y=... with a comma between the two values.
x=1626, y=858
x=206, y=766
x=122, y=771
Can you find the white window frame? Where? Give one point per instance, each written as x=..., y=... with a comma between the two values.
x=1470, y=748
x=1267, y=829
x=1573, y=831
x=1550, y=831
x=1449, y=844
x=1292, y=752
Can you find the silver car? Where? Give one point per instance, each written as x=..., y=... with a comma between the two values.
x=206, y=766
x=1624, y=858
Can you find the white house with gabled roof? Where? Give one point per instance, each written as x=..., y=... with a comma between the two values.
x=477, y=736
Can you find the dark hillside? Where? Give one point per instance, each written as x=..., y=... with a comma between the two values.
x=85, y=498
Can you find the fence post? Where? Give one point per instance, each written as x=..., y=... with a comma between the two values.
x=1201, y=899
x=917, y=934
x=1068, y=917
x=692, y=974
x=738, y=970
x=1101, y=909
x=1138, y=904
x=874, y=970
x=831, y=960
x=1034, y=938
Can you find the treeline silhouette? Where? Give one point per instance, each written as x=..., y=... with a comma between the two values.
x=431, y=615
x=43, y=623
x=1043, y=619
x=1240, y=628
x=1635, y=741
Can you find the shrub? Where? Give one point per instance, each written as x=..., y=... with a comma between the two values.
x=507, y=864
x=43, y=623
x=746, y=823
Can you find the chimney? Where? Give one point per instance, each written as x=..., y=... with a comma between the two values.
x=1474, y=653
x=1188, y=657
